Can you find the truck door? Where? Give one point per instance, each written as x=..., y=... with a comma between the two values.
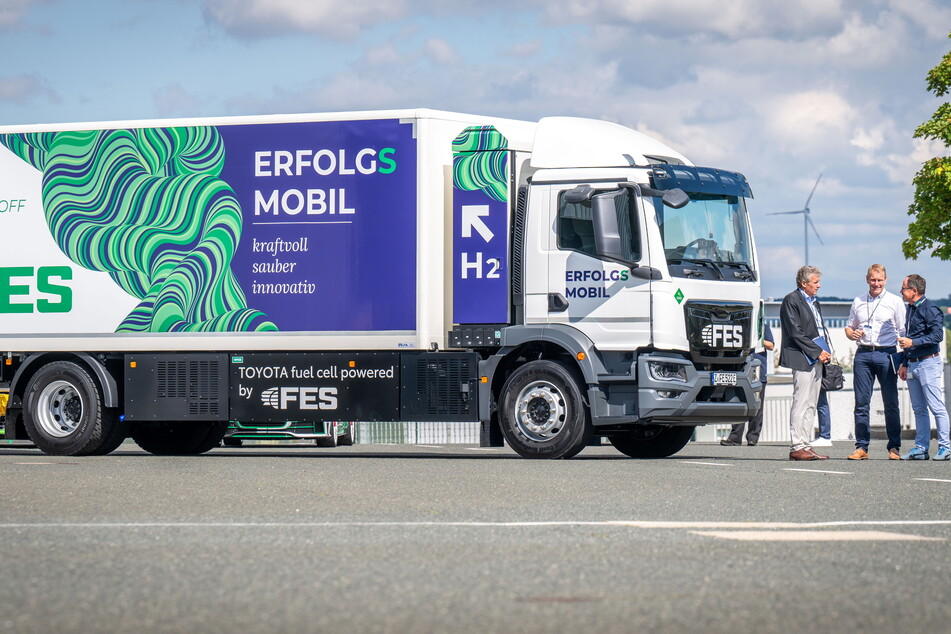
x=602, y=298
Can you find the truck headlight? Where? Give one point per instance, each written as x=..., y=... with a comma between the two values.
x=666, y=371
x=755, y=372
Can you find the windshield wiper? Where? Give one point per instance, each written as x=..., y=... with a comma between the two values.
x=705, y=262
x=747, y=274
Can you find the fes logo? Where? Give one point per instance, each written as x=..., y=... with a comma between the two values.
x=303, y=397
x=722, y=335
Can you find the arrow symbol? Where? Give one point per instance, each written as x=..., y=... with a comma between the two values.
x=472, y=219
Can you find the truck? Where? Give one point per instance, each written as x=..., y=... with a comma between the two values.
x=188, y=283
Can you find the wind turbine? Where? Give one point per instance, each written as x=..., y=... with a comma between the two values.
x=806, y=220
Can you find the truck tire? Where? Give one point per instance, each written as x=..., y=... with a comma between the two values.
x=179, y=438
x=542, y=411
x=653, y=441
x=64, y=413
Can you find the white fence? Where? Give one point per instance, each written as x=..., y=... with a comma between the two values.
x=775, y=423
x=841, y=406
x=415, y=433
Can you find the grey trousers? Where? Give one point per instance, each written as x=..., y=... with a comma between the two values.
x=802, y=415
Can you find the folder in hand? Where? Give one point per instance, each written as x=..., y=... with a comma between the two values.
x=896, y=359
x=822, y=343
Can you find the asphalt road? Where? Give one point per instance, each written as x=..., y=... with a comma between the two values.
x=462, y=539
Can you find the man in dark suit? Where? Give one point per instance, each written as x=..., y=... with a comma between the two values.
x=801, y=318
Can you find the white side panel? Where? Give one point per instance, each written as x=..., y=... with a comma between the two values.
x=224, y=342
x=538, y=247
x=30, y=261
x=435, y=189
x=99, y=305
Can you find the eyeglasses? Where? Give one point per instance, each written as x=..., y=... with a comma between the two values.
x=906, y=288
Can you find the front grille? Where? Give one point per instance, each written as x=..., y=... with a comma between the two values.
x=719, y=332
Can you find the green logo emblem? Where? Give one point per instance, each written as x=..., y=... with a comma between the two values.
x=237, y=359
x=679, y=296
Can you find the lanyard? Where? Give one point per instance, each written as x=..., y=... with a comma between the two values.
x=815, y=314
x=878, y=302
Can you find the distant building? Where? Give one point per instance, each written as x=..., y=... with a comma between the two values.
x=835, y=316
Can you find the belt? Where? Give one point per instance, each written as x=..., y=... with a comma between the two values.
x=876, y=348
x=927, y=356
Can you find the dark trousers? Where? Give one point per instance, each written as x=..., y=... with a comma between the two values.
x=867, y=367
x=825, y=416
x=754, y=425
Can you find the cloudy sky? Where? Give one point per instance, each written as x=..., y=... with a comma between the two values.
x=779, y=90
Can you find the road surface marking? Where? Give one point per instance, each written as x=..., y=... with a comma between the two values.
x=820, y=471
x=931, y=480
x=646, y=524
x=816, y=536
x=709, y=464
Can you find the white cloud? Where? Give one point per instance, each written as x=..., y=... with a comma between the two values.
x=805, y=121
x=524, y=50
x=738, y=18
x=869, y=140
x=864, y=43
x=901, y=167
x=13, y=11
x=25, y=88
x=337, y=19
x=383, y=55
x=932, y=16
x=440, y=51
x=174, y=100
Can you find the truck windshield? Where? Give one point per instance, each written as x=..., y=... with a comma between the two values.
x=710, y=228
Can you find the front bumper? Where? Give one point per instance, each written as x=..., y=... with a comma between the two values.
x=692, y=400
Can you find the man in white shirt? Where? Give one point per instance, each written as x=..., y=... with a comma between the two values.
x=876, y=320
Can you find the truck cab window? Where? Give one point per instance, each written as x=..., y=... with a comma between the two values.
x=575, y=226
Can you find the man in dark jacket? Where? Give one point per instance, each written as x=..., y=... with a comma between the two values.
x=921, y=367
x=801, y=318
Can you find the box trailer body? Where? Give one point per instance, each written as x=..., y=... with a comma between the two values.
x=179, y=281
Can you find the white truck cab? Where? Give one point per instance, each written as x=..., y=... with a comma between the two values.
x=642, y=267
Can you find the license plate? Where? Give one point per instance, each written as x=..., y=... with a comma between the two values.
x=724, y=378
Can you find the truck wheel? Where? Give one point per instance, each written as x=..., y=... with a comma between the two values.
x=179, y=438
x=653, y=441
x=542, y=412
x=64, y=414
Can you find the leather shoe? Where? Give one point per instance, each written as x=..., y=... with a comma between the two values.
x=806, y=454
x=858, y=454
x=893, y=454
x=726, y=442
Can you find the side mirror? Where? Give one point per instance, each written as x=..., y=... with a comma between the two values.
x=675, y=198
x=607, y=233
x=579, y=194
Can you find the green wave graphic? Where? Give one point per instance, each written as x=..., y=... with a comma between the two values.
x=148, y=207
x=480, y=162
